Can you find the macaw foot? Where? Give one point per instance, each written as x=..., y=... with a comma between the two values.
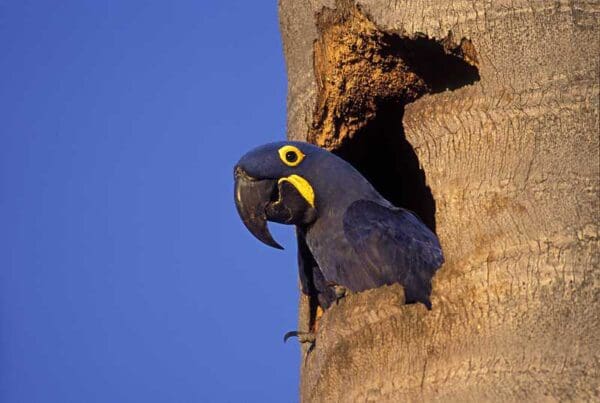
x=303, y=337
x=340, y=292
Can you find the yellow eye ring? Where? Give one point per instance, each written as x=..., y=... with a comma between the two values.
x=290, y=155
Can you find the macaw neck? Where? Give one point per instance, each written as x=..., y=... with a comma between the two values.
x=335, y=197
x=337, y=184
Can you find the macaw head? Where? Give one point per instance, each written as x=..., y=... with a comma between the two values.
x=292, y=183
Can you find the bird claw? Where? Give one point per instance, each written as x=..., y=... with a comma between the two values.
x=340, y=292
x=303, y=337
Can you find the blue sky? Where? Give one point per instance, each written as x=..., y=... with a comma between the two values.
x=125, y=273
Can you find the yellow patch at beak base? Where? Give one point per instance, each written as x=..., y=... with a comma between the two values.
x=302, y=186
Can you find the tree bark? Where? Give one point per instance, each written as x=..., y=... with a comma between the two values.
x=483, y=117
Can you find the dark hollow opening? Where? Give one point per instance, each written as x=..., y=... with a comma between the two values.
x=380, y=151
x=382, y=154
x=440, y=67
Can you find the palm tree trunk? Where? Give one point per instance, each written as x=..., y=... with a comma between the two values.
x=483, y=117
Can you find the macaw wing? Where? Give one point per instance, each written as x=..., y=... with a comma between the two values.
x=395, y=246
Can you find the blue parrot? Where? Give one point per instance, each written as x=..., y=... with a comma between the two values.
x=349, y=236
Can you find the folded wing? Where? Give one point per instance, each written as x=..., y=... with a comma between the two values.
x=395, y=247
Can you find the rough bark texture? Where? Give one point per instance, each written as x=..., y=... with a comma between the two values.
x=484, y=118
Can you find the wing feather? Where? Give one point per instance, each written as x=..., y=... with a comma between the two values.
x=395, y=246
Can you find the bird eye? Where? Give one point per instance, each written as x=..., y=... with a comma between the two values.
x=290, y=155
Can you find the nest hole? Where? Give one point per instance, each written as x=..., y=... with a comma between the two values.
x=365, y=78
x=381, y=152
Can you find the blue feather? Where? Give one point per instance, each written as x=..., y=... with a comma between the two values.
x=395, y=246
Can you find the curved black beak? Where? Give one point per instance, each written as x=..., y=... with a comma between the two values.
x=251, y=199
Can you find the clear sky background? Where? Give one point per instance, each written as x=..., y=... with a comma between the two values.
x=125, y=272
